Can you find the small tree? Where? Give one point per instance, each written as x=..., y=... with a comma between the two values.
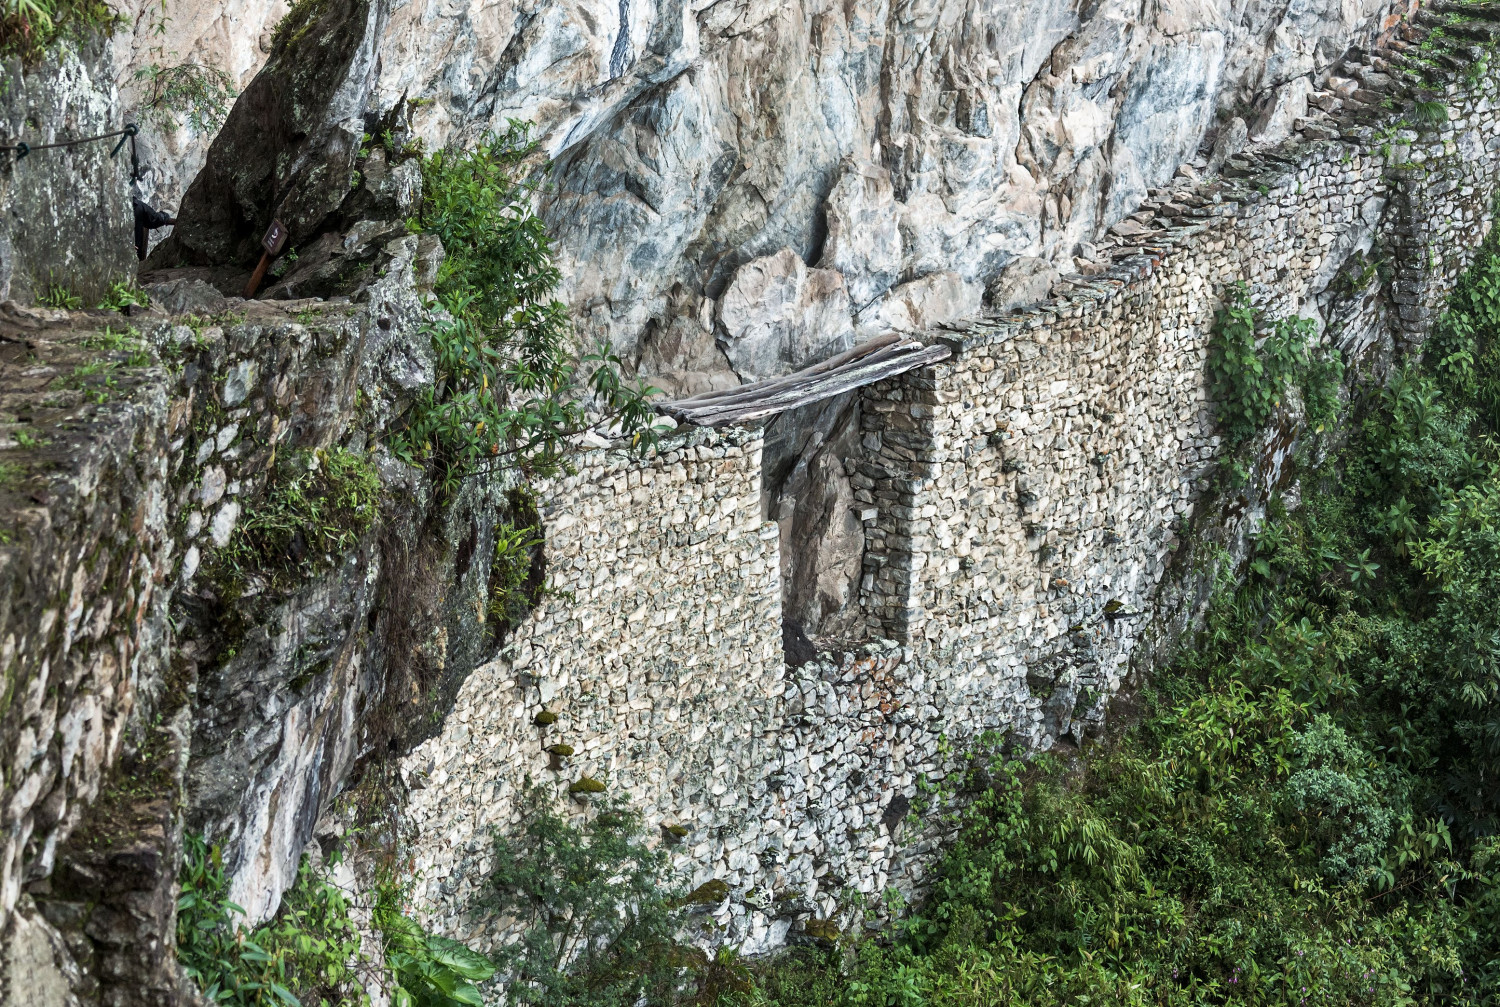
x=597, y=910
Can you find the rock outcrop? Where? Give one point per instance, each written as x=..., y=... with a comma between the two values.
x=164, y=677
x=884, y=141
x=65, y=220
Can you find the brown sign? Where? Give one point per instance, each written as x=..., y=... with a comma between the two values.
x=274, y=239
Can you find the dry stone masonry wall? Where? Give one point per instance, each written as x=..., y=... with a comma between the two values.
x=1026, y=507
x=658, y=652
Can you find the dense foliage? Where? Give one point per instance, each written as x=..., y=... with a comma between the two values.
x=1251, y=370
x=510, y=387
x=306, y=956
x=598, y=921
x=29, y=26
x=425, y=970
x=311, y=953
x=1306, y=812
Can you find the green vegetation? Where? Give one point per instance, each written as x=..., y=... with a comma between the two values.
x=29, y=441
x=311, y=953
x=509, y=388
x=55, y=295
x=514, y=578
x=306, y=956
x=1250, y=371
x=426, y=970
x=190, y=93
x=599, y=923
x=317, y=506
x=29, y=26
x=96, y=379
x=124, y=294
x=1305, y=812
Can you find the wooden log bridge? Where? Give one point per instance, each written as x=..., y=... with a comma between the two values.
x=869, y=362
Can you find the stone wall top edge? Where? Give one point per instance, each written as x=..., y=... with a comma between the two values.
x=1257, y=180
x=669, y=449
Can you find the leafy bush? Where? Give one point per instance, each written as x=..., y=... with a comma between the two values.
x=198, y=95
x=509, y=387
x=515, y=580
x=305, y=956
x=310, y=953
x=1340, y=801
x=598, y=921
x=426, y=970
x=1250, y=374
x=27, y=27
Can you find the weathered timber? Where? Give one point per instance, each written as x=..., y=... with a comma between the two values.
x=883, y=357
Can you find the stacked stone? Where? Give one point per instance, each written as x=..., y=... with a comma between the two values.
x=655, y=658
x=85, y=549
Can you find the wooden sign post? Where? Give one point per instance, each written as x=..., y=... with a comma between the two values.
x=270, y=248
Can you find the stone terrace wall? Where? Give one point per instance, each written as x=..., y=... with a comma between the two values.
x=659, y=652
x=83, y=553
x=1030, y=491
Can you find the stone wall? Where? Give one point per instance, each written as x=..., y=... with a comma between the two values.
x=1028, y=508
x=1030, y=492
x=84, y=551
x=658, y=649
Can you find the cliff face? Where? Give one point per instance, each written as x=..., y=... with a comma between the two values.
x=64, y=212
x=905, y=153
x=741, y=189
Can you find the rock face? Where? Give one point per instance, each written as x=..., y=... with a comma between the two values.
x=162, y=686
x=65, y=212
x=288, y=149
x=884, y=140
x=739, y=188
x=231, y=39
x=777, y=314
x=806, y=490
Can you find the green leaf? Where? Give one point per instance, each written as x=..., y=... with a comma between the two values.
x=460, y=958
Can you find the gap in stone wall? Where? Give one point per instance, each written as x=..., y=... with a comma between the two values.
x=806, y=489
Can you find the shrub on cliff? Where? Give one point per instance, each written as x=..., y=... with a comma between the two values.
x=316, y=506
x=596, y=909
x=1252, y=366
x=29, y=26
x=311, y=953
x=510, y=387
x=308, y=955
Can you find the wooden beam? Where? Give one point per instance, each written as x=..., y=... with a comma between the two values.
x=876, y=360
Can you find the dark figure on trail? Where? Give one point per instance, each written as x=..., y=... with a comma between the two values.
x=146, y=221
